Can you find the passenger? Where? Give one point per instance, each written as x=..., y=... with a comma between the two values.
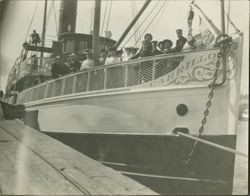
x=168, y=46
x=34, y=62
x=35, y=38
x=56, y=68
x=161, y=46
x=74, y=63
x=103, y=56
x=155, y=51
x=180, y=42
x=88, y=63
x=112, y=57
x=146, y=50
x=128, y=52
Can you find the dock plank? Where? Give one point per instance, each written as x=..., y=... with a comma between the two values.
x=56, y=164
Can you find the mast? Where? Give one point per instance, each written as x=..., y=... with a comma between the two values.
x=132, y=23
x=44, y=26
x=95, y=38
x=222, y=17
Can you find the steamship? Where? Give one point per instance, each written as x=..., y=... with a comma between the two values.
x=127, y=115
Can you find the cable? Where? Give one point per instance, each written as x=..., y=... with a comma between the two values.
x=31, y=21
x=157, y=13
x=149, y=14
x=104, y=17
x=109, y=15
x=91, y=19
x=228, y=11
x=55, y=18
x=159, y=17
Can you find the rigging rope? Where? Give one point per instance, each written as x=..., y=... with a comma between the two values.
x=159, y=17
x=49, y=14
x=157, y=13
x=104, y=17
x=133, y=15
x=149, y=14
x=55, y=18
x=92, y=16
x=138, y=22
x=109, y=15
x=228, y=11
x=31, y=21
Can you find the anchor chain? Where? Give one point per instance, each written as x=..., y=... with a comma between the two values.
x=222, y=43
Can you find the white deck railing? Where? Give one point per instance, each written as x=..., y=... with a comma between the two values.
x=116, y=76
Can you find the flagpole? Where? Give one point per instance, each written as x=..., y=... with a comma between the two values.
x=222, y=17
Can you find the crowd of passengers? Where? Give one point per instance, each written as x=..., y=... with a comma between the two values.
x=149, y=48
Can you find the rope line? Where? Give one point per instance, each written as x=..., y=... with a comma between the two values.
x=33, y=16
x=109, y=15
x=104, y=17
x=55, y=17
x=157, y=13
x=149, y=14
x=221, y=147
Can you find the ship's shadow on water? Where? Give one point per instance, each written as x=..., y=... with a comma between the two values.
x=158, y=161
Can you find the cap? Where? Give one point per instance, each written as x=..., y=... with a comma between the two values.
x=58, y=57
x=178, y=30
x=155, y=41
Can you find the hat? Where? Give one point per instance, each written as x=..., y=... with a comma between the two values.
x=58, y=57
x=72, y=54
x=178, y=30
x=168, y=40
x=155, y=41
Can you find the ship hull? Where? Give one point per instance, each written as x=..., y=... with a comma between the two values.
x=133, y=132
x=158, y=161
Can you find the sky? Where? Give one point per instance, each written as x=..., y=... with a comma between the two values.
x=169, y=16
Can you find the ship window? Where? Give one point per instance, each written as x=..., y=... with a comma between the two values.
x=68, y=46
x=83, y=45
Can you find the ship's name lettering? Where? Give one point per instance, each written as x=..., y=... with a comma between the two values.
x=181, y=69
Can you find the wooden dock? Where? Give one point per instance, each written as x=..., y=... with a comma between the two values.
x=32, y=163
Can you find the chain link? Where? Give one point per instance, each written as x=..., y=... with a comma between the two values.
x=206, y=111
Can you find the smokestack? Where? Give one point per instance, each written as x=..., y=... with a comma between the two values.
x=67, y=19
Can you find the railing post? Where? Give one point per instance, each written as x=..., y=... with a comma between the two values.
x=88, y=80
x=105, y=78
x=74, y=84
x=153, y=71
x=63, y=86
x=126, y=76
x=54, y=89
x=46, y=91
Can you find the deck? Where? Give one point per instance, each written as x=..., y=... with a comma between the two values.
x=32, y=163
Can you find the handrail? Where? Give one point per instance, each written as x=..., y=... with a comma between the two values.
x=118, y=75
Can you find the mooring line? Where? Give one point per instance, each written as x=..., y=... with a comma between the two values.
x=227, y=149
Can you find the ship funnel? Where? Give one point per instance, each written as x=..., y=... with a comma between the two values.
x=67, y=19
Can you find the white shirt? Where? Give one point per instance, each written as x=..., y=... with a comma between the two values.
x=112, y=60
x=87, y=64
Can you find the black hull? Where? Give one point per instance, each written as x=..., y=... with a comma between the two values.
x=158, y=161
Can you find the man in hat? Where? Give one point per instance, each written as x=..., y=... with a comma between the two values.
x=167, y=46
x=89, y=62
x=56, y=68
x=180, y=42
x=155, y=51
